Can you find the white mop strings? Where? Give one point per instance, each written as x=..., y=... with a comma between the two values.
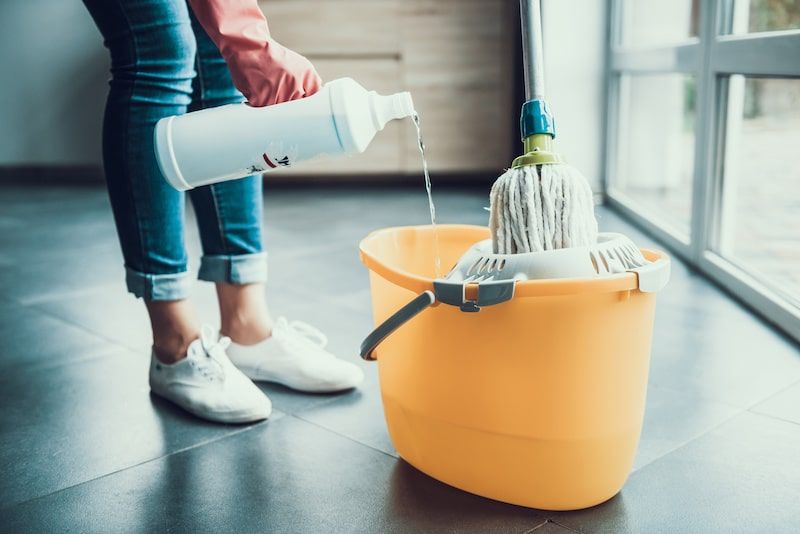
x=532, y=210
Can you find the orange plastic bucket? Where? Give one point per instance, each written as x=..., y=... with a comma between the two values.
x=537, y=401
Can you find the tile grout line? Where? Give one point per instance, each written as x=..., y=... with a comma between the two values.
x=691, y=440
x=543, y=523
x=739, y=411
x=51, y=366
x=773, y=417
x=695, y=396
x=773, y=395
x=314, y=406
x=195, y=446
x=565, y=526
x=65, y=294
x=553, y=521
x=143, y=462
x=299, y=418
x=80, y=327
x=113, y=348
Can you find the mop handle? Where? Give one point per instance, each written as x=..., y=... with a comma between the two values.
x=532, y=58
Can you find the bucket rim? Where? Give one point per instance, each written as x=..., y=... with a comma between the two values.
x=524, y=289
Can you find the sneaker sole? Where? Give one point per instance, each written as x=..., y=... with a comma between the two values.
x=235, y=417
x=260, y=376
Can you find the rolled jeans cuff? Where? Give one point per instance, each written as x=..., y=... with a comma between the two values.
x=241, y=269
x=173, y=286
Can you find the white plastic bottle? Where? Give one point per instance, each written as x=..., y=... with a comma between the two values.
x=237, y=140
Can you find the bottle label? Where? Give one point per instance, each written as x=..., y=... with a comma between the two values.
x=276, y=161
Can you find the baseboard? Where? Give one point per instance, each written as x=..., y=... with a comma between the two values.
x=93, y=174
x=51, y=174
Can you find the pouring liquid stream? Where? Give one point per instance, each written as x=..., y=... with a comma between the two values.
x=437, y=266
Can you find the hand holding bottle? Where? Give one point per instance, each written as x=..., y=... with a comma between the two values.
x=265, y=71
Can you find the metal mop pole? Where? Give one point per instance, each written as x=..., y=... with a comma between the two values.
x=536, y=124
x=532, y=56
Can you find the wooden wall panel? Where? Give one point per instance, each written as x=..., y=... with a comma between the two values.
x=457, y=61
x=326, y=28
x=454, y=56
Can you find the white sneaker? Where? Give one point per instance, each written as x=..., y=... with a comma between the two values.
x=208, y=385
x=295, y=356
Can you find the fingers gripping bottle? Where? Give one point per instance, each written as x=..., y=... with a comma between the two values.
x=233, y=141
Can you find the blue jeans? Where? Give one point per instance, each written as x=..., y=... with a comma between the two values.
x=162, y=64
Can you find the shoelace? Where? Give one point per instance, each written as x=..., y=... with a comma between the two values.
x=299, y=332
x=212, y=348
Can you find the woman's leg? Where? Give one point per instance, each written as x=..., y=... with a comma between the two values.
x=229, y=217
x=243, y=312
x=152, y=65
x=174, y=327
x=152, y=49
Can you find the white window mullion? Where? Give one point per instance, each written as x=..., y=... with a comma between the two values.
x=758, y=54
x=682, y=58
x=704, y=184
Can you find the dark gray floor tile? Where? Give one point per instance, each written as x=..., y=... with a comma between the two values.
x=110, y=312
x=783, y=405
x=358, y=416
x=550, y=527
x=29, y=201
x=285, y=476
x=332, y=272
x=349, y=215
x=54, y=236
x=291, y=401
x=359, y=301
x=709, y=347
x=673, y=418
x=70, y=273
x=700, y=466
x=71, y=424
x=117, y=315
x=47, y=224
x=33, y=338
x=740, y=477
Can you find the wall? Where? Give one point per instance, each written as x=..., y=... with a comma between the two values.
x=574, y=50
x=55, y=72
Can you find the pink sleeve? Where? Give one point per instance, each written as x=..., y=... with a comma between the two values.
x=262, y=69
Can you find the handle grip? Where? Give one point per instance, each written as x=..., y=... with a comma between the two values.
x=652, y=278
x=532, y=49
x=395, y=321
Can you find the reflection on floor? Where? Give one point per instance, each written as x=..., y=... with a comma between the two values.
x=85, y=447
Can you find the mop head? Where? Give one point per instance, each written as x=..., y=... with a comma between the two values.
x=541, y=207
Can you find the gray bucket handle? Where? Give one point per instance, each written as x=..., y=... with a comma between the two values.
x=447, y=292
x=395, y=321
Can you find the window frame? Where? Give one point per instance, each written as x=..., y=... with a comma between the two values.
x=712, y=56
